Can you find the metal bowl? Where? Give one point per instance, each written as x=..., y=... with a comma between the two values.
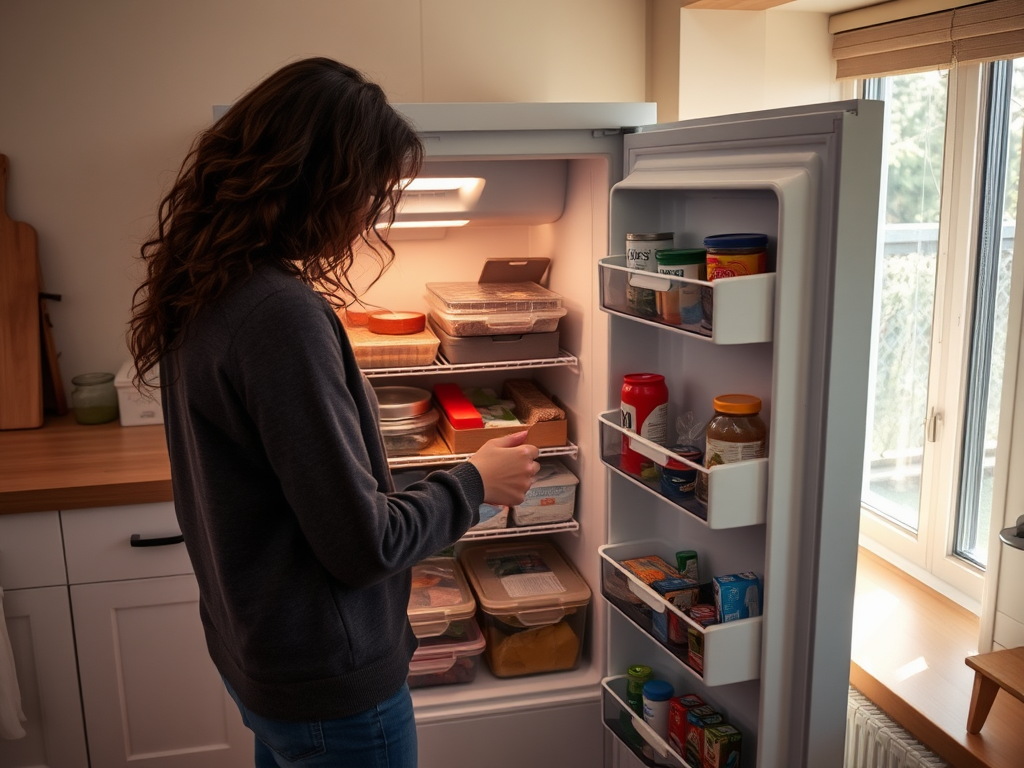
x=402, y=402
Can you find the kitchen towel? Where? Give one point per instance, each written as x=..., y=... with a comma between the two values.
x=11, y=716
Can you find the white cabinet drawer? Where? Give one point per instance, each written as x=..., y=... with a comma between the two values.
x=98, y=543
x=31, y=554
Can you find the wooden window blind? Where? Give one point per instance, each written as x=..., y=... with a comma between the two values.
x=982, y=32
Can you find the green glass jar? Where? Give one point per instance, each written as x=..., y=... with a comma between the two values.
x=94, y=398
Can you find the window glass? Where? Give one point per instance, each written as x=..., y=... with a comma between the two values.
x=975, y=510
x=905, y=294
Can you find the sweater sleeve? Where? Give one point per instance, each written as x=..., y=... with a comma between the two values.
x=288, y=367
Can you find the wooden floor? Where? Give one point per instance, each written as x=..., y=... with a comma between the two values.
x=909, y=646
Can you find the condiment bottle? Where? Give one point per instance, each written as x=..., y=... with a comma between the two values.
x=735, y=433
x=735, y=255
x=643, y=410
x=657, y=695
x=680, y=305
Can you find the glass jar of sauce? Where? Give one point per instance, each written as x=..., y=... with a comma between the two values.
x=735, y=433
x=735, y=255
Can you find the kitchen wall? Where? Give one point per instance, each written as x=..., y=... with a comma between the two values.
x=99, y=102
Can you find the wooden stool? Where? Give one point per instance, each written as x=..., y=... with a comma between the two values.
x=992, y=671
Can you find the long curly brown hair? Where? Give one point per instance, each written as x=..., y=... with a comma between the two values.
x=296, y=173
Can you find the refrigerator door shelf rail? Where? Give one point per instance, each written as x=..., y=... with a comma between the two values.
x=526, y=530
x=445, y=459
x=442, y=366
x=732, y=650
x=737, y=493
x=742, y=309
x=615, y=702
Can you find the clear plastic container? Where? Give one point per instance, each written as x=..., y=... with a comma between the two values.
x=533, y=606
x=489, y=309
x=404, y=437
x=496, y=348
x=446, y=660
x=551, y=498
x=440, y=603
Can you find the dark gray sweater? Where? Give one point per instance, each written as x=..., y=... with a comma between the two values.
x=281, y=485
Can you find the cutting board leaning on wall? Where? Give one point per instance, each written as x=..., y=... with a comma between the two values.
x=21, y=389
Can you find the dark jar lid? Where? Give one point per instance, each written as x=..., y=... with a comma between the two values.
x=737, y=240
x=681, y=256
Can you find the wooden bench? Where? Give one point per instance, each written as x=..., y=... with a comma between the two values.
x=992, y=671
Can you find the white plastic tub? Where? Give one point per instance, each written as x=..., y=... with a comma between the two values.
x=138, y=407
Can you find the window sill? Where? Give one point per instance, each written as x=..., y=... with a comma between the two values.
x=909, y=646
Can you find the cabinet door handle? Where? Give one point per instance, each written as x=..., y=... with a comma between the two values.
x=160, y=541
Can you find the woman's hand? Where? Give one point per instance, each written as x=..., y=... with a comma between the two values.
x=507, y=466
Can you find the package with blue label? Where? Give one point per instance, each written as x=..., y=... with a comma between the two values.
x=737, y=596
x=551, y=497
x=491, y=516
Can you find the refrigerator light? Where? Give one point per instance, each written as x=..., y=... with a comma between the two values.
x=425, y=224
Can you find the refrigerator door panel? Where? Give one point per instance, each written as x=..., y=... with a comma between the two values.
x=808, y=178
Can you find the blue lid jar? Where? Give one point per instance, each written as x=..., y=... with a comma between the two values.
x=658, y=690
x=736, y=240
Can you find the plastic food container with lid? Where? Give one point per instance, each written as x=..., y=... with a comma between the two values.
x=533, y=606
x=495, y=348
x=447, y=660
x=489, y=309
x=407, y=419
x=376, y=350
x=736, y=255
x=440, y=602
x=551, y=498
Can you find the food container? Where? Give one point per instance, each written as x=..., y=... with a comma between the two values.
x=736, y=255
x=491, y=517
x=551, y=498
x=440, y=603
x=446, y=660
x=376, y=350
x=533, y=606
x=406, y=419
x=497, y=348
x=489, y=309
x=641, y=250
x=137, y=407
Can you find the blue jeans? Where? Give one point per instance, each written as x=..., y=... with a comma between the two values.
x=381, y=737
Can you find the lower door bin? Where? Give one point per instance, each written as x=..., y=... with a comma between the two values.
x=447, y=660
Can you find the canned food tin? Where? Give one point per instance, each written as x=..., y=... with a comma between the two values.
x=736, y=255
x=644, y=411
x=641, y=251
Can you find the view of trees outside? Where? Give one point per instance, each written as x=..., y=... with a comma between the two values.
x=916, y=121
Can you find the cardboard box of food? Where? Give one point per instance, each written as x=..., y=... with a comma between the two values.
x=543, y=434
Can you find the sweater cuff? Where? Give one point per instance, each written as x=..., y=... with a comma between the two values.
x=472, y=485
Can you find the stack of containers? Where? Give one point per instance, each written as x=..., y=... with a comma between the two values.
x=504, y=316
x=441, y=610
x=533, y=606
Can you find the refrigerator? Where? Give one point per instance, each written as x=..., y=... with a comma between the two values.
x=568, y=182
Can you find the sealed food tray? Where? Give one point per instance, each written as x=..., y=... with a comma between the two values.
x=551, y=498
x=489, y=309
x=441, y=603
x=496, y=348
x=533, y=606
x=379, y=350
x=447, y=660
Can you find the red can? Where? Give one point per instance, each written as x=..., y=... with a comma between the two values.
x=644, y=411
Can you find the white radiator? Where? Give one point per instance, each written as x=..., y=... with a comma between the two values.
x=875, y=741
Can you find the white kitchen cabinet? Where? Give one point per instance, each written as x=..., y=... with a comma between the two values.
x=39, y=624
x=152, y=697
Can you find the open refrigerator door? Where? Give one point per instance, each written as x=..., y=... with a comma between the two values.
x=565, y=183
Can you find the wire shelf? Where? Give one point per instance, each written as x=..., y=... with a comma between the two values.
x=439, y=460
x=526, y=530
x=442, y=366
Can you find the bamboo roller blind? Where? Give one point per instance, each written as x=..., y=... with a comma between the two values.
x=983, y=32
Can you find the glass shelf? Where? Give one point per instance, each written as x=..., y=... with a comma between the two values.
x=737, y=493
x=741, y=309
x=442, y=366
x=732, y=650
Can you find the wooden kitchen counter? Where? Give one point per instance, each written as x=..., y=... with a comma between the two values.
x=65, y=465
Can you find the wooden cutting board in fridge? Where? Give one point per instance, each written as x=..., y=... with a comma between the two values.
x=21, y=384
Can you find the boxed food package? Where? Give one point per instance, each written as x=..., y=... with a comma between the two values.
x=447, y=660
x=496, y=348
x=381, y=350
x=533, y=606
x=678, y=709
x=440, y=602
x=535, y=412
x=551, y=498
x=737, y=596
x=722, y=746
x=615, y=587
x=138, y=406
x=491, y=517
x=698, y=720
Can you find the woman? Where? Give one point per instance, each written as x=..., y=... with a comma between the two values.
x=301, y=547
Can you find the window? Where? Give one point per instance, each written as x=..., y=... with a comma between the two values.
x=946, y=230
